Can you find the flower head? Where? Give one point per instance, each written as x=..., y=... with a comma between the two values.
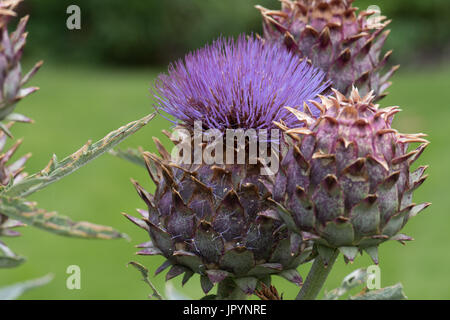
x=349, y=178
x=243, y=84
x=345, y=44
x=12, y=81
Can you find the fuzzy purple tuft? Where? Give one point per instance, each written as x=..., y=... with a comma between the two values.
x=243, y=84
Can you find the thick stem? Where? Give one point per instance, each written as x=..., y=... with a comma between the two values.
x=316, y=278
x=228, y=290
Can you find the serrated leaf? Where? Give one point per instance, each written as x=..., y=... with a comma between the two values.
x=394, y=292
x=359, y=278
x=131, y=155
x=16, y=290
x=56, y=171
x=27, y=212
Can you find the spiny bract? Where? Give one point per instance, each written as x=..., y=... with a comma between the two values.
x=215, y=220
x=11, y=81
x=346, y=45
x=345, y=179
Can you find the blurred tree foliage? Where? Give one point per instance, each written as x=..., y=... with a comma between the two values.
x=420, y=28
x=149, y=32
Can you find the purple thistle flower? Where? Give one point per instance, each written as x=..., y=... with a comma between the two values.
x=243, y=84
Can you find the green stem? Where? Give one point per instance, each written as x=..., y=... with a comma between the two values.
x=228, y=290
x=316, y=278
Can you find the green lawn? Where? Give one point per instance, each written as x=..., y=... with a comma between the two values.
x=76, y=104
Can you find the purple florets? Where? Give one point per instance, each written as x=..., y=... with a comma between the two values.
x=243, y=84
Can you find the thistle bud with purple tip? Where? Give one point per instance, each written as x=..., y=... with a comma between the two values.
x=12, y=81
x=214, y=218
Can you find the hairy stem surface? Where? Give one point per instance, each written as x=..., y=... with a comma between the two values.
x=316, y=278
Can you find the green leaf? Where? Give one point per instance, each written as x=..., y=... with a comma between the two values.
x=131, y=155
x=16, y=290
x=27, y=212
x=394, y=292
x=359, y=278
x=57, y=170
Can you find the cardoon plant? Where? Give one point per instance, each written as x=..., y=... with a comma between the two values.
x=214, y=219
x=345, y=180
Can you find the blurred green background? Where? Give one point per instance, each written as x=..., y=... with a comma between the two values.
x=97, y=79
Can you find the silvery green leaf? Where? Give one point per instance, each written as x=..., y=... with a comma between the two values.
x=57, y=170
x=16, y=290
x=27, y=212
x=394, y=292
x=359, y=278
